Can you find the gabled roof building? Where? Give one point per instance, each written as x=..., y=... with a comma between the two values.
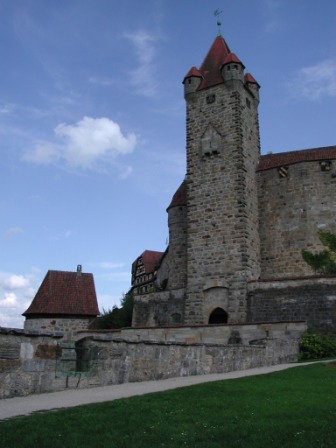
x=65, y=301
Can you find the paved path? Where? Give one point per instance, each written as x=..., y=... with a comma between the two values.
x=13, y=407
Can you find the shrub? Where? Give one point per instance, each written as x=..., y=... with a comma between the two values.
x=316, y=346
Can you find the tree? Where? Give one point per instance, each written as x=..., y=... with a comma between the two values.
x=323, y=262
x=116, y=317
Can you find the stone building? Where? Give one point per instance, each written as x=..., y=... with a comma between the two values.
x=65, y=302
x=239, y=220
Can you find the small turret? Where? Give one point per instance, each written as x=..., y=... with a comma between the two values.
x=252, y=85
x=232, y=68
x=192, y=81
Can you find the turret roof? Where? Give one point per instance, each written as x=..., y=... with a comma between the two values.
x=250, y=79
x=193, y=72
x=232, y=58
x=180, y=196
x=68, y=293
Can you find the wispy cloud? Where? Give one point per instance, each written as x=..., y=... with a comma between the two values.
x=110, y=265
x=143, y=76
x=11, y=232
x=102, y=81
x=5, y=109
x=314, y=82
x=270, y=10
x=87, y=144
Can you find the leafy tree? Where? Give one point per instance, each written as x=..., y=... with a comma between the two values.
x=323, y=262
x=117, y=317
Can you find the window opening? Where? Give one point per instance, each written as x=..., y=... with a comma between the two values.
x=218, y=316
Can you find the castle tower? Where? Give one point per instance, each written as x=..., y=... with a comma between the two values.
x=222, y=215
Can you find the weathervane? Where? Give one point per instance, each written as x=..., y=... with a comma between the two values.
x=217, y=13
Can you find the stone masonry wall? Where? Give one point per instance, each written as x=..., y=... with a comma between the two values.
x=222, y=155
x=291, y=211
x=313, y=300
x=66, y=325
x=159, y=308
x=28, y=361
x=177, y=253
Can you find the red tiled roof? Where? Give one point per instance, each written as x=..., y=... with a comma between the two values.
x=289, y=158
x=193, y=72
x=69, y=293
x=150, y=258
x=250, y=79
x=180, y=197
x=213, y=62
x=231, y=57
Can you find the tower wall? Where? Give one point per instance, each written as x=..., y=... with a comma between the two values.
x=177, y=254
x=223, y=240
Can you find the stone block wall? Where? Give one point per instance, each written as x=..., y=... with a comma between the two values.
x=28, y=362
x=292, y=209
x=159, y=308
x=312, y=300
x=66, y=325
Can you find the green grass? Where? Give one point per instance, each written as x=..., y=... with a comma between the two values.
x=293, y=408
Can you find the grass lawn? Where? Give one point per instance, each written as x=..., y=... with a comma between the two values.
x=292, y=408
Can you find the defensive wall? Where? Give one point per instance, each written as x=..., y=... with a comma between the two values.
x=36, y=362
x=295, y=202
x=312, y=299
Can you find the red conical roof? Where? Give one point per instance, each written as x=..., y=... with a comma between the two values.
x=180, y=196
x=248, y=78
x=213, y=62
x=193, y=72
x=232, y=58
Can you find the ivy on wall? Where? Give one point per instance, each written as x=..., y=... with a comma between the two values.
x=323, y=262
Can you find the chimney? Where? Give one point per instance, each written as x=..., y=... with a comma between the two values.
x=79, y=270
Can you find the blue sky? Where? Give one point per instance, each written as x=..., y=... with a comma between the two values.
x=92, y=121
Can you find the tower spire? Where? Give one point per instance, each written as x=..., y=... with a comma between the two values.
x=217, y=14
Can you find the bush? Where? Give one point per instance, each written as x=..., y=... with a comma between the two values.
x=317, y=346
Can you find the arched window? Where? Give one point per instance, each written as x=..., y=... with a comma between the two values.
x=218, y=316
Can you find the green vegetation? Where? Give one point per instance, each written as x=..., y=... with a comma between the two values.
x=317, y=346
x=116, y=317
x=289, y=409
x=323, y=262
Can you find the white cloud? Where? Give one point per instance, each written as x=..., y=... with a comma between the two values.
x=315, y=82
x=9, y=300
x=87, y=144
x=14, y=282
x=143, y=77
x=16, y=293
